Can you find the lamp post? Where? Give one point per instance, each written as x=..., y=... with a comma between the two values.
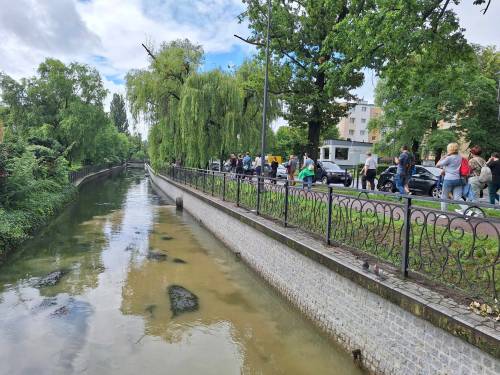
x=266, y=79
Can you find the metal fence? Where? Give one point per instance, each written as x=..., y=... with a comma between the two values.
x=88, y=169
x=410, y=232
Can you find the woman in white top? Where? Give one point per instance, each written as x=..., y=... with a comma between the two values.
x=369, y=172
x=453, y=182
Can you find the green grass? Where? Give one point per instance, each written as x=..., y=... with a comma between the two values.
x=453, y=257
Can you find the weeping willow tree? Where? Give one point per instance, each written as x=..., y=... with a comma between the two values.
x=197, y=116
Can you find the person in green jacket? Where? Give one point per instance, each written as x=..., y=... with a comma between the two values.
x=306, y=175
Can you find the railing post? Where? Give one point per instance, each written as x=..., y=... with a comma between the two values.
x=285, y=219
x=238, y=187
x=258, y=195
x=213, y=183
x=329, y=222
x=224, y=186
x=405, y=252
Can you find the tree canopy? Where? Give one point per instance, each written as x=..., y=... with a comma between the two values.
x=63, y=105
x=434, y=87
x=320, y=48
x=196, y=116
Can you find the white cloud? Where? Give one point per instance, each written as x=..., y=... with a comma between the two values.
x=108, y=33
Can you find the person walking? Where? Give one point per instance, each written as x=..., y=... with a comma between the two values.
x=274, y=170
x=232, y=163
x=493, y=186
x=402, y=175
x=306, y=175
x=239, y=165
x=257, y=165
x=291, y=168
x=369, y=172
x=247, y=165
x=452, y=181
x=476, y=164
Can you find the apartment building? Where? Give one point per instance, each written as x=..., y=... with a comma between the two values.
x=354, y=127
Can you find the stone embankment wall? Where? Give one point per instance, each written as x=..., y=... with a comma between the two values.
x=391, y=339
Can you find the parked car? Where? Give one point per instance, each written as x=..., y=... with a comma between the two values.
x=282, y=173
x=330, y=173
x=426, y=181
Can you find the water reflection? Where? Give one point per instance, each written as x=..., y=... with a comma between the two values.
x=110, y=313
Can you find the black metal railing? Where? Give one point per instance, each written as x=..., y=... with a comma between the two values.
x=86, y=170
x=459, y=250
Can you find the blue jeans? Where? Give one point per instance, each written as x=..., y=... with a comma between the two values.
x=308, y=182
x=451, y=186
x=493, y=191
x=401, y=181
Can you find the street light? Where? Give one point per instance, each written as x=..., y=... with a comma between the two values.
x=266, y=79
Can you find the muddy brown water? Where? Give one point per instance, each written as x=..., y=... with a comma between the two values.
x=110, y=313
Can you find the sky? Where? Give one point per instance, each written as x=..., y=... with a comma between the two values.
x=108, y=34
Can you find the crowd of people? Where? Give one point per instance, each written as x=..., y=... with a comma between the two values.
x=462, y=178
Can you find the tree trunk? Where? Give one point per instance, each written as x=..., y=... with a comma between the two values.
x=437, y=150
x=314, y=123
x=313, y=137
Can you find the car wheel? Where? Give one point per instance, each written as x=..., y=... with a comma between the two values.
x=435, y=192
x=387, y=186
x=324, y=180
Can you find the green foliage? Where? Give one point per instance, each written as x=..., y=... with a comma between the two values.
x=118, y=113
x=439, y=86
x=50, y=119
x=195, y=116
x=290, y=141
x=320, y=47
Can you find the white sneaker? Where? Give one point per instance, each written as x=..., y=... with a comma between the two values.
x=461, y=212
x=442, y=216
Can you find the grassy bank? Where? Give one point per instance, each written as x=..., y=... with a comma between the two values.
x=18, y=223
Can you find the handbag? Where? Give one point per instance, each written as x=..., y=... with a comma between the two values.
x=485, y=176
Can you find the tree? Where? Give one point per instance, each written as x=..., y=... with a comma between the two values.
x=435, y=86
x=195, y=116
x=290, y=141
x=319, y=48
x=118, y=113
x=61, y=108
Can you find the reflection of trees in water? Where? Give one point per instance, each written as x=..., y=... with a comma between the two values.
x=73, y=240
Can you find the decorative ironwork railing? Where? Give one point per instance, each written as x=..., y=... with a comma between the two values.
x=458, y=250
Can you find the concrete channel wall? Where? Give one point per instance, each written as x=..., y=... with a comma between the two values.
x=396, y=331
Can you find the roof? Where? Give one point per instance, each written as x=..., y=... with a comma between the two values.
x=343, y=142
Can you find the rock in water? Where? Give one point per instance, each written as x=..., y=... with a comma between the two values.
x=154, y=255
x=166, y=238
x=179, y=260
x=51, y=279
x=181, y=300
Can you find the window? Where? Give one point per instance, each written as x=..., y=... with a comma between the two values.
x=363, y=109
x=351, y=132
x=361, y=132
x=326, y=153
x=374, y=137
x=353, y=120
x=363, y=120
x=341, y=153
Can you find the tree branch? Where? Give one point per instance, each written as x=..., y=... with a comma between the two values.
x=149, y=52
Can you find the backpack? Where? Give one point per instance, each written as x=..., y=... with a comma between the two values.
x=465, y=169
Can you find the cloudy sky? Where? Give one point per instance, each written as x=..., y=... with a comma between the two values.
x=108, y=33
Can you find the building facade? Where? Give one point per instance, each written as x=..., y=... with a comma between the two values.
x=354, y=127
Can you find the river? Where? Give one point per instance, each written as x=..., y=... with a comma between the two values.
x=118, y=248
